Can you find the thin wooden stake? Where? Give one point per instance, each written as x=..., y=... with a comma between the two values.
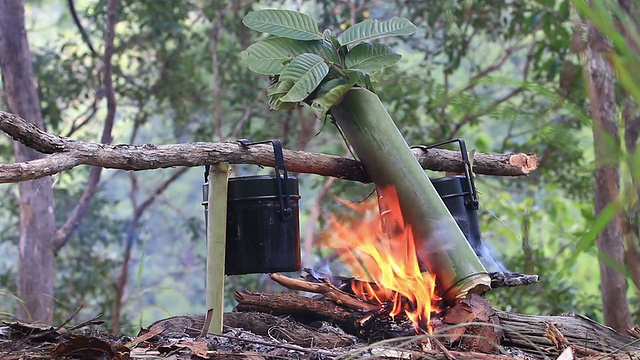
x=216, y=241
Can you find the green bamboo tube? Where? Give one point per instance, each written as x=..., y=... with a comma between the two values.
x=216, y=242
x=381, y=148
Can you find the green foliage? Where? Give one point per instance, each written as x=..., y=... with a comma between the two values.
x=64, y=76
x=306, y=71
x=555, y=294
x=370, y=58
x=587, y=242
x=618, y=23
x=277, y=91
x=86, y=275
x=272, y=55
x=621, y=27
x=286, y=23
x=330, y=93
x=300, y=66
x=537, y=236
x=373, y=29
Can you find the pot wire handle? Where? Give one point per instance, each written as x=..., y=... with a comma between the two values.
x=472, y=203
x=281, y=175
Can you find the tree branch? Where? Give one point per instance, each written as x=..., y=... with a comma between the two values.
x=73, y=221
x=216, y=27
x=140, y=209
x=68, y=153
x=83, y=32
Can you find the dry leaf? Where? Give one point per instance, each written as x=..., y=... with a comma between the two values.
x=91, y=348
x=252, y=355
x=197, y=348
x=567, y=354
x=20, y=329
x=146, y=336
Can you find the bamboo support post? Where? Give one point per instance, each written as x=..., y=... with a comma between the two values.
x=216, y=241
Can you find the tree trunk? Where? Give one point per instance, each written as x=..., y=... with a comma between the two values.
x=630, y=228
x=631, y=123
x=602, y=98
x=37, y=225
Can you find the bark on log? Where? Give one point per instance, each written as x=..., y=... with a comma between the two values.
x=326, y=289
x=537, y=336
x=499, y=164
x=275, y=327
x=302, y=308
x=67, y=153
x=587, y=337
x=262, y=324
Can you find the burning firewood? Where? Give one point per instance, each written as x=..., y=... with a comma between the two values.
x=474, y=310
x=529, y=336
x=324, y=287
x=498, y=280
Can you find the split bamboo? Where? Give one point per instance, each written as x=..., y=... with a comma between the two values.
x=216, y=241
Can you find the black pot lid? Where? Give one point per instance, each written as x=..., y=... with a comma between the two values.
x=257, y=186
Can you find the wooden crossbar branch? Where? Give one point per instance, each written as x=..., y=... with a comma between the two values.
x=65, y=154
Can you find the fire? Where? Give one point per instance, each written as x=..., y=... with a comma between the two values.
x=380, y=250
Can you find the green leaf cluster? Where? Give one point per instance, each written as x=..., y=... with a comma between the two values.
x=318, y=67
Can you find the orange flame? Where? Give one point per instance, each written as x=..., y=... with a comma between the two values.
x=380, y=248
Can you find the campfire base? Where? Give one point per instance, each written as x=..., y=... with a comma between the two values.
x=311, y=343
x=534, y=336
x=337, y=323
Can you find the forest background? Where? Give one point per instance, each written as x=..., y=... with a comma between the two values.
x=505, y=75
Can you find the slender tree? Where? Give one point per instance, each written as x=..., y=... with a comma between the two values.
x=602, y=96
x=37, y=225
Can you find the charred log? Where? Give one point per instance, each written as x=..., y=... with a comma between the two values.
x=376, y=325
x=324, y=287
x=361, y=323
x=537, y=336
x=343, y=283
x=509, y=279
x=317, y=334
x=264, y=325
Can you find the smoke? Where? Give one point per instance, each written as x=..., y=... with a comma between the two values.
x=468, y=223
x=321, y=269
x=490, y=258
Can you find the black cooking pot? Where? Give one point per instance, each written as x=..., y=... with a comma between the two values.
x=457, y=195
x=263, y=233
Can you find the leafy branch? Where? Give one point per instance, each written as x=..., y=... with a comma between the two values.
x=316, y=67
